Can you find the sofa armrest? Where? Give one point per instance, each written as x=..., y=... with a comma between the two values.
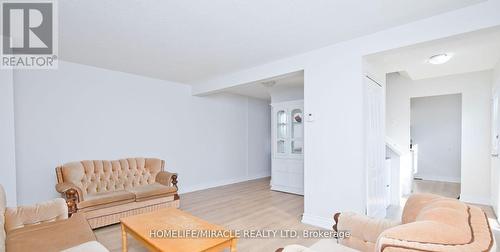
x=18, y=217
x=167, y=178
x=362, y=227
x=72, y=193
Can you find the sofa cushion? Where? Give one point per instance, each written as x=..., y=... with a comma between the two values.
x=106, y=198
x=155, y=190
x=92, y=246
x=51, y=236
x=296, y=248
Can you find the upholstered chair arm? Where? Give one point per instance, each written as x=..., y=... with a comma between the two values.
x=167, y=178
x=64, y=187
x=72, y=193
x=363, y=229
x=18, y=217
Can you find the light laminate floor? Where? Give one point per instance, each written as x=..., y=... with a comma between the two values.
x=247, y=205
x=447, y=189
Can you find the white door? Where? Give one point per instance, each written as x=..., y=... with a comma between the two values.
x=495, y=149
x=375, y=150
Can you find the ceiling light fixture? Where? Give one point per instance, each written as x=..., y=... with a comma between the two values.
x=440, y=58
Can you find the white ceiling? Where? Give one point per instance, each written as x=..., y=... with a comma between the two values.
x=193, y=40
x=475, y=51
x=260, y=91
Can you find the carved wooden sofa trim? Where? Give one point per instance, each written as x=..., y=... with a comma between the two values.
x=105, y=191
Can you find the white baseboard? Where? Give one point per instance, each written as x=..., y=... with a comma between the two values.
x=318, y=221
x=475, y=200
x=198, y=187
x=287, y=189
x=438, y=178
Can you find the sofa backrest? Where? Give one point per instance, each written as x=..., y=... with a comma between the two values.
x=435, y=223
x=3, y=205
x=43, y=212
x=98, y=176
x=414, y=205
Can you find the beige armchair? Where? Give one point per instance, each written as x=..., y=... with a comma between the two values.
x=24, y=216
x=105, y=191
x=43, y=227
x=429, y=223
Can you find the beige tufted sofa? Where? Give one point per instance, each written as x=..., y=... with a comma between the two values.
x=105, y=191
x=44, y=227
x=429, y=223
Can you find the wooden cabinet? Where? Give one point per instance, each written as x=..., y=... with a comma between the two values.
x=288, y=147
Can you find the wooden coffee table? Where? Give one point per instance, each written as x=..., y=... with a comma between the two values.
x=141, y=226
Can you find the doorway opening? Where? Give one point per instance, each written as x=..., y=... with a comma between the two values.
x=436, y=144
x=284, y=95
x=422, y=155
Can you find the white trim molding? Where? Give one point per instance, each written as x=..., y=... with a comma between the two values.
x=288, y=189
x=218, y=183
x=437, y=178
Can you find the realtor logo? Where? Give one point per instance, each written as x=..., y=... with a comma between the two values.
x=29, y=34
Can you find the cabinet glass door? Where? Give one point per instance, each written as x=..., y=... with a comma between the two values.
x=297, y=132
x=281, y=133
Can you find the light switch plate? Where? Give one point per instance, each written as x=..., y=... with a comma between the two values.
x=309, y=117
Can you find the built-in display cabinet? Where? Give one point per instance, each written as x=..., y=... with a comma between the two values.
x=288, y=147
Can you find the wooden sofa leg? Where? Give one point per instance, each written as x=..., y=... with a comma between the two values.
x=71, y=200
x=174, y=181
x=336, y=219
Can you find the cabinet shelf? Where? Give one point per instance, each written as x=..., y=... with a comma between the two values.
x=288, y=147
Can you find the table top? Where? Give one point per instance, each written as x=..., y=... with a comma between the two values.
x=172, y=228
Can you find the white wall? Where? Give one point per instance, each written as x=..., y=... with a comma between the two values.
x=397, y=126
x=79, y=112
x=7, y=142
x=259, y=138
x=333, y=91
x=284, y=93
x=495, y=161
x=436, y=128
x=476, y=92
